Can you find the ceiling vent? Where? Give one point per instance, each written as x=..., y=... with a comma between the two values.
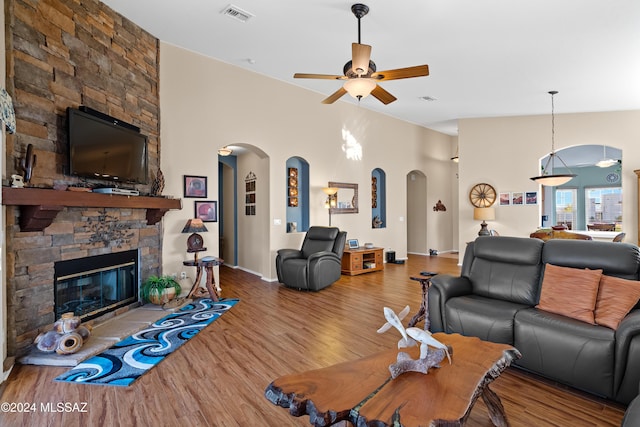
x=236, y=13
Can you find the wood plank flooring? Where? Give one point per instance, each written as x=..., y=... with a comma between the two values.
x=218, y=378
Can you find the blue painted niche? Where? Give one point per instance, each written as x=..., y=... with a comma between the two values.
x=297, y=194
x=378, y=198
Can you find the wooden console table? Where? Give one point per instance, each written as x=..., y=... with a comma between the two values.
x=40, y=206
x=361, y=260
x=363, y=393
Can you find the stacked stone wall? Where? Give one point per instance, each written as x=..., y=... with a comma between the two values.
x=60, y=54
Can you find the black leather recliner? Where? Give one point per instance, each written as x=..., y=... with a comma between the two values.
x=317, y=264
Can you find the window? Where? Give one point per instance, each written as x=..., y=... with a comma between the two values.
x=566, y=212
x=603, y=208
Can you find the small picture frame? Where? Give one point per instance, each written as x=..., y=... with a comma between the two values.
x=353, y=243
x=505, y=199
x=206, y=210
x=531, y=198
x=195, y=186
x=517, y=198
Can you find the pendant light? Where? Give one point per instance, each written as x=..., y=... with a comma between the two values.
x=605, y=163
x=547, y=177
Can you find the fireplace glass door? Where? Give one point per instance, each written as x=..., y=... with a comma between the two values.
x=100, y=288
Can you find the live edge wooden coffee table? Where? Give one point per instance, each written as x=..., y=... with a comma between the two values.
x=363, y=393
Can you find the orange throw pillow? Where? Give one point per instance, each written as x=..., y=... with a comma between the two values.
x=571, y=292
x=616, y=298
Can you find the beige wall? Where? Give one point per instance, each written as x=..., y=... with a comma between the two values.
x=505, y=153
x=206, y=104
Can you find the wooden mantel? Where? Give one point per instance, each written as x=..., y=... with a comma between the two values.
x=39, y=206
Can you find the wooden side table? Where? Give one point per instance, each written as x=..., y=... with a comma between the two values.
x=205, y=266
x=423, y=311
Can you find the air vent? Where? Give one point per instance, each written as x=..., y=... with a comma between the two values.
x=428, y=98
x=236, y=13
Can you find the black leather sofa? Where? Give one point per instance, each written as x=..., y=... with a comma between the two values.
x=495, y=297
x=632, y=415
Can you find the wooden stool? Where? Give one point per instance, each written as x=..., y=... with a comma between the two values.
x=205, y=266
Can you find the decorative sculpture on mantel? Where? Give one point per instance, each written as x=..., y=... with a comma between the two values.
x=28, y=163
x=428, y=357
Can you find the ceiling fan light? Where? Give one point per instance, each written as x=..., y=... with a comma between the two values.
x=359, y=88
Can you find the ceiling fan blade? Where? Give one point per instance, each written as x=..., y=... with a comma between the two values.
x=382, y=95
x=360, y=56
x=402, y=73
x=334, y=96
x=317, y=76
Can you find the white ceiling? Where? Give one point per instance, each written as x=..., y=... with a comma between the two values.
x=487, y=58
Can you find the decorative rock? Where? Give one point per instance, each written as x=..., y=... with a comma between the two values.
x=47, y=342
x=69, y=343
x=67, y=336
x=84, y=331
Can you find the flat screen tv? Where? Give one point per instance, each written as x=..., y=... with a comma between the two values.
x=102, y=147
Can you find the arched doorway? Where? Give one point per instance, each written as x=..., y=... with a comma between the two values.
x=417, y=213
x=244, y=210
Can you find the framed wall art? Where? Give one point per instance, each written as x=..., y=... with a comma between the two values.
x=517, y=198
x=195, y=186
x=505, y=199
x=206, y=210
x=531, y=198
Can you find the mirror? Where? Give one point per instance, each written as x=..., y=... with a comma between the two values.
x=346, y=198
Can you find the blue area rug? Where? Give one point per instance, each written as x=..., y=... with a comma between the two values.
x=127, y=360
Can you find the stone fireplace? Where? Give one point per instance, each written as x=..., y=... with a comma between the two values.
x=92, y=286
x=76, y=234
x=66, y=54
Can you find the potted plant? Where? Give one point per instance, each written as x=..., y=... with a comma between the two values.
x=160, y=289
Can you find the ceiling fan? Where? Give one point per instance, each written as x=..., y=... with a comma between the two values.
x=360, y=75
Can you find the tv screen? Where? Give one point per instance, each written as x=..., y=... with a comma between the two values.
x=101, y=147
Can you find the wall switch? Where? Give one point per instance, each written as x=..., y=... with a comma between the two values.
x=277, y=221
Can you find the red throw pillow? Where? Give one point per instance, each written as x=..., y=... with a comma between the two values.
x=616, y=298
x=571, y=292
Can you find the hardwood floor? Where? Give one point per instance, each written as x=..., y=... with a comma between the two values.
x=218, y=378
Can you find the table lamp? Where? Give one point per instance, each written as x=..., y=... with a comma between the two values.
x=194, y=241
x=484, y=214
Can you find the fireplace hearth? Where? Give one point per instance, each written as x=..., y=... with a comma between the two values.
x=92, y=286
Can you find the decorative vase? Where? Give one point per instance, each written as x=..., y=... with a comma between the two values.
x=68, y=322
